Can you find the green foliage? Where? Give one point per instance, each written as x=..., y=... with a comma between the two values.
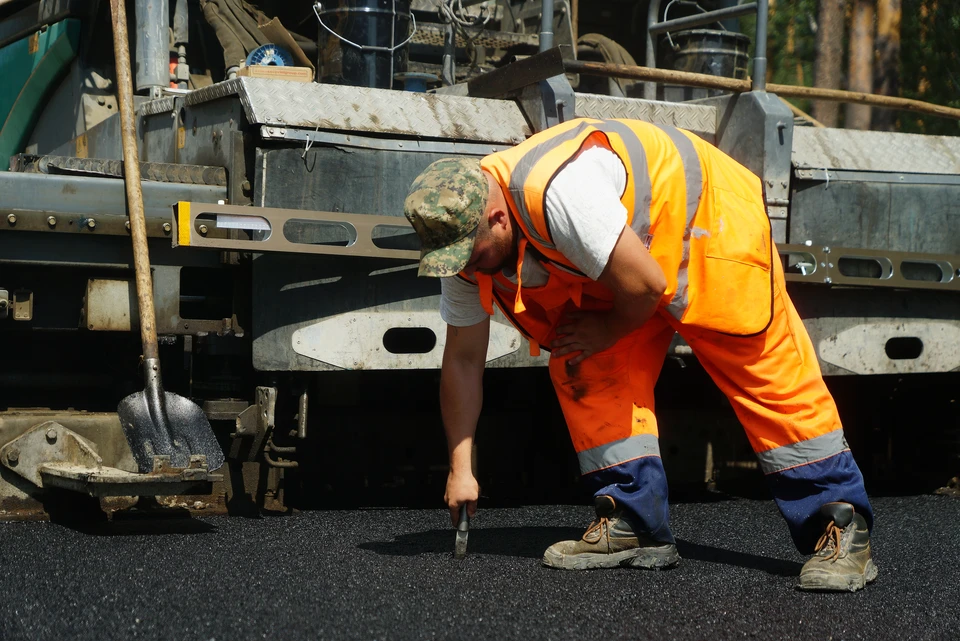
x=929, y=55
x=930, y=63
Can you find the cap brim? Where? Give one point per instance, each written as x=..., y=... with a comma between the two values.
x=447, y=261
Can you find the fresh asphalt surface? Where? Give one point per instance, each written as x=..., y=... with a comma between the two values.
x=390, y=574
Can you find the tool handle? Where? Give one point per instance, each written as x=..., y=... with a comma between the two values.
x=464, y=525
x=131, y=171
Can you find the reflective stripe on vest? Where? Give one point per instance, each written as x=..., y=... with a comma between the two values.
x=610, y=454
x=693, y=175
x=796, y=454
x=642, y=190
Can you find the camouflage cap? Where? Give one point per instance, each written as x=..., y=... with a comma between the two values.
x=444, y=206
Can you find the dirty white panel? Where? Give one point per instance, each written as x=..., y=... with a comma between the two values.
x=338, y=107
x=355, y=340
x=109, y=305
x=862, y=349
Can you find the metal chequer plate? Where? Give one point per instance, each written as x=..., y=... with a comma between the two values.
x=701, y=119
x=337, y=107
x=875, y=151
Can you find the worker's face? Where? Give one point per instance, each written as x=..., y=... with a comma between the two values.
x=493, y=249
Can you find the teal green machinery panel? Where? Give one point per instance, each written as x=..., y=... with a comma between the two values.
x=31, y=69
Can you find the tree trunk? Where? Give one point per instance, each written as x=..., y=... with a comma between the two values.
x=887, y=73
x=860, y=76
x=829, y=58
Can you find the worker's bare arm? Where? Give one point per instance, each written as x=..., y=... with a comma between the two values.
x=637, y=283
x=461, y=397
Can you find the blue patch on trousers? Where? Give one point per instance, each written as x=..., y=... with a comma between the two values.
x=640, y=488
x=801, y=491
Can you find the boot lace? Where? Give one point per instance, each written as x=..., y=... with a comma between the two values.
x=596, y=528
x=831, y=541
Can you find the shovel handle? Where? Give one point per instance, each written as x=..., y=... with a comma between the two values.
x=131, y=173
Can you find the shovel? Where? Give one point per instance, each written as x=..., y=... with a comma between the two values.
x=155, y=422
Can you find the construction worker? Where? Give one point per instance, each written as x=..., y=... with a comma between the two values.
x=599, y=239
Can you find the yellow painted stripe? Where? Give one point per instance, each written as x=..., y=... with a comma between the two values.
x=183, y=223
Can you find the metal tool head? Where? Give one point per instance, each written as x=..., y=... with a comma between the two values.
x=156, y=422
x=463, y=531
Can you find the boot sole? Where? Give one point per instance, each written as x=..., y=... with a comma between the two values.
x=839, y=582
x=646, y=558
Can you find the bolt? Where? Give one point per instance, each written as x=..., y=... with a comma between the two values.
x=12, y=219
x=808, y=243
x=203, y=229
x=126, y=224
x=52, y=221
x=826, y=250
x=13, y=455
x=245, y=187
x=52, y=435
x=828, y=280
x=167, y=228
x=101, y=101
x=830, y=265
x=91, y=223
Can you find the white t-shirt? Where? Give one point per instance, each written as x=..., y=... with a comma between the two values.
x=586, y=218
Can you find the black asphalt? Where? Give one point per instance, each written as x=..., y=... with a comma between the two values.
x=390, y=574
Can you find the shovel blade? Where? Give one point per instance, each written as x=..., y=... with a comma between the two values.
x=170, y=425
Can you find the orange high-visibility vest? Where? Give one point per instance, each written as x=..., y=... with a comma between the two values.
x=700, y=213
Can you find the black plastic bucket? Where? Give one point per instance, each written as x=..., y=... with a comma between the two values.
x=363, y=43
x=716, y=53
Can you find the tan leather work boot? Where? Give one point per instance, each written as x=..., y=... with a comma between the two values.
x=610, y=542
x=842, y=560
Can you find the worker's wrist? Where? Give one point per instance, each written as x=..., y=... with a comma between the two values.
x=460, y=458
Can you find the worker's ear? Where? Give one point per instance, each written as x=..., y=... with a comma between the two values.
x=498, y=217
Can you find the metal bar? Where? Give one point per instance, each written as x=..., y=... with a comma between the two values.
x=517, y=75
x=153, y=45
x=821, y=265
x=188, y=232
x=760, y=52
x=653, y=15
x=157, y=171
x=546, y=25
x=383, y=144
x=302, y=415
x=449, y=71
x=700, y=19
x=84, y=196
x=898, y=178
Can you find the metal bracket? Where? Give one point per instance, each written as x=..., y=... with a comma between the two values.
x=164, y=480
x=254, y=424
x=291, y=230
x=870, y=268
x=49, y=455
x=48, y=442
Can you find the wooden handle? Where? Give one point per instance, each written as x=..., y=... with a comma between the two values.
x=732, y=84
x=131, y=172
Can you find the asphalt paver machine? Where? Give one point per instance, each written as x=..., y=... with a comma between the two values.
x=276, y=145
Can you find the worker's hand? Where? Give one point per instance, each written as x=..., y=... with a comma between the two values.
x=461, y=488
x=583, y=332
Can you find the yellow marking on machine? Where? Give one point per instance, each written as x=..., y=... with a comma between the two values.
x=183, y=223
